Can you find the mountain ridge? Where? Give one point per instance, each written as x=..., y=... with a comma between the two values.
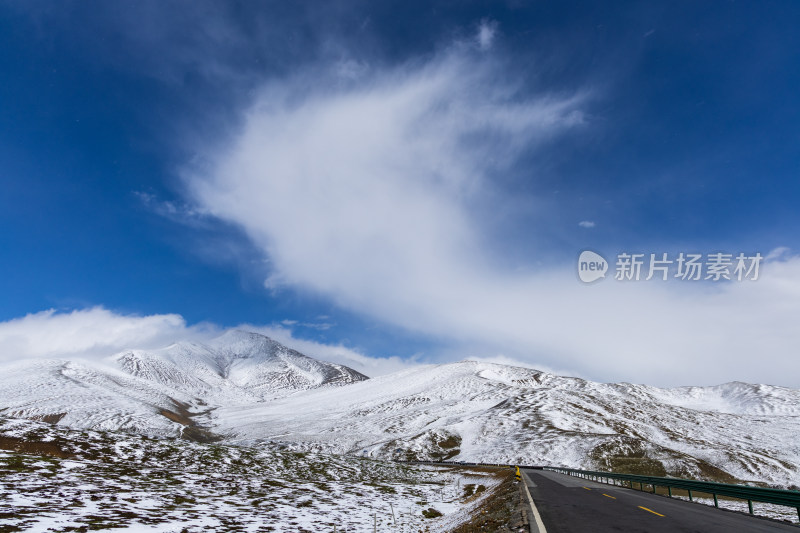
x=164, y=391
x=248, y=389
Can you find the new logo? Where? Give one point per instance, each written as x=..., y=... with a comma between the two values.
x=591, y=266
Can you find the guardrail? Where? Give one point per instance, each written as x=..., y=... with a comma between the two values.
x=788, y=498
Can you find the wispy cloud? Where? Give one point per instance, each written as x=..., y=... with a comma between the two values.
x=779, y=253
x=486, y=33
x=365, y=189
x=371, y=192
x=180, y=212
x=586, y=224
x=94, y=332
x=98, y=332
x=322, y=326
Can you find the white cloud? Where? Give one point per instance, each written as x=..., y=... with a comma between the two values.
x=98, y=332
x=90, y=332
x=779, y=253
x=586, y=224
x=177, y=212
x=322, y=326
x=486, y=33
x=366, y=193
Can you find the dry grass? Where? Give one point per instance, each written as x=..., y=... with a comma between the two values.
x=49, y=449
x=501, y=511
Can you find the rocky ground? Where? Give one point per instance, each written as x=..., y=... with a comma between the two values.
x=56, y=479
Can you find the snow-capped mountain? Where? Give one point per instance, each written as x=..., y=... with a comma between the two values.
x=246, y=388
x=170, y=391
x=473, y=411
x=236, y=368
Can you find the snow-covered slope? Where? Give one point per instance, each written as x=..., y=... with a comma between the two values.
x=246, y=388
x=88, y=395
x=485, y=412
x=236, y=368
x=164, y=392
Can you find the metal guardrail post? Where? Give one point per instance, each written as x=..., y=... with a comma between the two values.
x=750, y=506
x=669, y=492
x=716, y=503
x=690, y=494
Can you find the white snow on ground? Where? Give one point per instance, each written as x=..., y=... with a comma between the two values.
x=136, y=483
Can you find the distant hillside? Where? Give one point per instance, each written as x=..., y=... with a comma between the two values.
x=246, y=388
x=172, y=391
x=486, y=412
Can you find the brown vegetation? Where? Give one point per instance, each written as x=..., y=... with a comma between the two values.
x=504, y=510
x=49, y=449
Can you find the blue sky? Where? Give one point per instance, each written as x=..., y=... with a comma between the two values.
x=403, y=180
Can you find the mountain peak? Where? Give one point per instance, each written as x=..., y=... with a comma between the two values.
x=241, y=335
x=236, y=368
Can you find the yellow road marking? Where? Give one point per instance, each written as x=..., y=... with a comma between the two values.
x=587, y=488
x=650, y=511
x=607, y=496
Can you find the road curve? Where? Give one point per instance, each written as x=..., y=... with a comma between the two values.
x=572, y=505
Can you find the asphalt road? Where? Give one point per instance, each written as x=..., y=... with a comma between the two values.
x=572, y=505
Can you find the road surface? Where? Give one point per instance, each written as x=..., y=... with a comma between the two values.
x=568, y=504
